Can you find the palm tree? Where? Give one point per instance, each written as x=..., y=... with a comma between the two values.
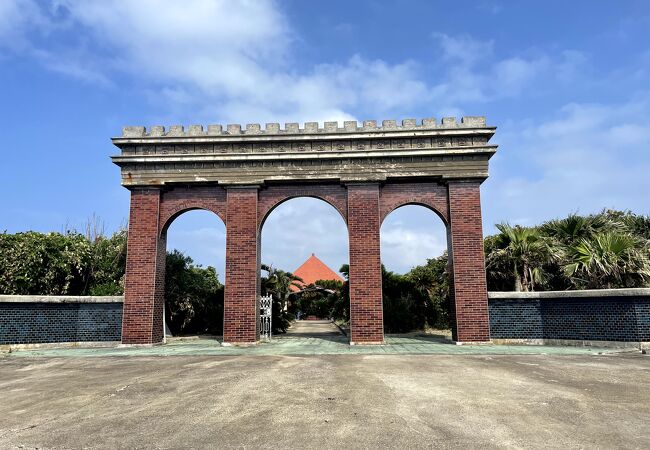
x=609, y=259
x=278, y=283
x=345, y=271
x=574, y=227
x=525, y=251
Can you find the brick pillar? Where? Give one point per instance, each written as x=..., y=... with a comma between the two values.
x=366, y=309
x=465, y=240
x=145, y=271
x=242, y=270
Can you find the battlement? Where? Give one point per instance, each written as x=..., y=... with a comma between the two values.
x=309, y=128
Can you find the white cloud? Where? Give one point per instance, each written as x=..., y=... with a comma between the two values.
x=476, y=75
x=222, y=60
x=586, y=158
x=232, y=61
x=302, y=226
x=464, y=48
x=200, y=235
x=409, y=236
x=405, y=248
x=17, y=18
x=214, y=45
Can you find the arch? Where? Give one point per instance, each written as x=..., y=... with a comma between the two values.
x=308, y=226
x=319, y=208
x=179, y=200
x=423, y=235
x=274, y=196
x=433, y=196
x=199, y=235
x=414, y=239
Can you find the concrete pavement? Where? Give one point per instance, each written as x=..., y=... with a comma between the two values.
x=326, y=401
x=315, y=328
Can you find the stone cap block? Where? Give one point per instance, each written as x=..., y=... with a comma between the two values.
x=311, y=128
x=61, y=299
x=585, y=293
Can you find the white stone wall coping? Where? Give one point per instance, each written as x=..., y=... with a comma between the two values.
x=61, y=299
x=586, y=293
x=349, y=126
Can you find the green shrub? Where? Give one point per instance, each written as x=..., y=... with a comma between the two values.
x=193, y=297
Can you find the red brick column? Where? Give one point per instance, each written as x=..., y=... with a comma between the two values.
x=366, y=309
x=469, y=289
x=145, y=271
x=242, y=270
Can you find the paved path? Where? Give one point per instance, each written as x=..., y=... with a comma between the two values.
x=319, y=344
x=329, y=401
x=314, y=328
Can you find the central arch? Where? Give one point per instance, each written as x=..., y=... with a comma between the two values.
x=273, y=196
x=320, y=223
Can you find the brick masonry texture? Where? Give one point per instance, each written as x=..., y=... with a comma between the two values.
x=623, y=319
x=273, y=196
x=145, y=271
x=35, y=323
x=366, y=316
x=364, y=170
x=363, y=206
x=178, y=200
x=465, y=240
x=241, y=310
x=430, y=195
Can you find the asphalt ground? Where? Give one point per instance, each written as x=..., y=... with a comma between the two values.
x=310, y=389
x=326, y=401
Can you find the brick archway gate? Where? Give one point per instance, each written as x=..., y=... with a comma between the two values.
x=365, y=172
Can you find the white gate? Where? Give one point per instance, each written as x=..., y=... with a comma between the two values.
x=266, y=305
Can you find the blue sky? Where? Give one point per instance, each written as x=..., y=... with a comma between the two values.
x=566, y=83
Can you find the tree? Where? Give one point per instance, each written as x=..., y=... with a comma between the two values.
x=107, y=264
x=193, y=296
x=44, y=264
x=432, y=281
x=322, y=299
x=278, y=284
x=608, y=260
x=404, y=306
x=345, y=271
x=525, y=251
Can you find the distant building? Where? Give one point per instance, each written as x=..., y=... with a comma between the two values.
x=313, y=270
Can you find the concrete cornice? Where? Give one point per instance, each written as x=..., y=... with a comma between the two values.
x=354, y=153
x=587, y=293
x=257, y=156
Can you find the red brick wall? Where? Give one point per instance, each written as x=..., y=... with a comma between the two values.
x=145, y=271
x=466, y=244
x=242, y=270
x=432, y=195
x=334, y=194
x=366, y=319
x=180, y=199
x=364, y=206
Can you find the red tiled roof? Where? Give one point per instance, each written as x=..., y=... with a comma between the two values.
x=313, y=270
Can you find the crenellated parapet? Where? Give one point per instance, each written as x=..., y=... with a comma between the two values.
x=349, y=126
x=355, y=152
